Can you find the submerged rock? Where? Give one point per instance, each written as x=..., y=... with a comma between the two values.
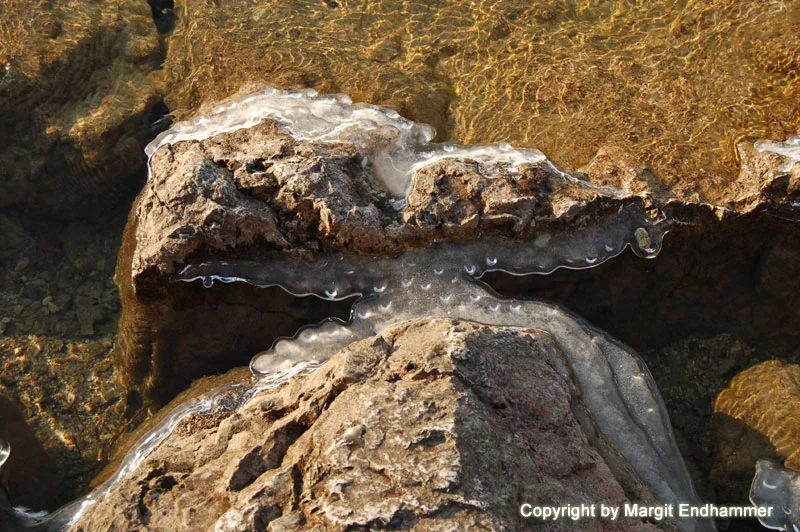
x=433, y=423
x=76, y=96
x=756, y=417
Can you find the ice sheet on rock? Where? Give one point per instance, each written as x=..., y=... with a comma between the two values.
x=615, y=383
x=392, y=147
x=339, y=276
x=440, y=281
x=790, y=149
x=779, y=489
x=223, y=399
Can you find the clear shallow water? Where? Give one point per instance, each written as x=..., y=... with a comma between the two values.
x=676, y=84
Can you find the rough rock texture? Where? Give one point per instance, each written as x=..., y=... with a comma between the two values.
x=76, y=96
x=567, y=78
x=435, y=424
x=257, y=192
x=757, y=416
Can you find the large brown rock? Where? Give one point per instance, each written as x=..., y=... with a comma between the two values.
x=566, y=79
x=256, y=193
x=259, y=193
x=433, y=424
x=76, y=95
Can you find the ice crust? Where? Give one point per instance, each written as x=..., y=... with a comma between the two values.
x=789, y=149
x=777, y=488
x=222, y=399
x=5, y=451
x=392, y=147
x=442, y=280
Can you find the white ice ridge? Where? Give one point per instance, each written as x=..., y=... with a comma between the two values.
x=222, y=399
x=392, y=147
x=5, y=451
x=779, y=489
x=790, y=149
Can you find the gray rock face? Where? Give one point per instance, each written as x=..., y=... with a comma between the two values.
x=434, y=424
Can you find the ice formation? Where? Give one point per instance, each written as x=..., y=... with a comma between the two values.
x=790, y=149
x=442, y=280
x=5, y=451
x=779, y=489
x=392, y=147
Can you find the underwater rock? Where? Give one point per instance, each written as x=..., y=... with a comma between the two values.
x=756, y=417
x=432, y=423
x=69, y=396
x=76, y=95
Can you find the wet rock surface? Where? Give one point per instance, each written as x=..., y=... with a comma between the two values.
x=433, y=423
x=77, y=93
x=255, y=193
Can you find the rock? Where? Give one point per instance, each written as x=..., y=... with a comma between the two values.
x=431, y=424
x=251, y=193
x=757, y=416
x=76, y=96
x=515, y=73
x=89, y=313
x=259, y=193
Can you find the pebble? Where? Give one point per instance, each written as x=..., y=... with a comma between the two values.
x=50, y=305
x=23, y=263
